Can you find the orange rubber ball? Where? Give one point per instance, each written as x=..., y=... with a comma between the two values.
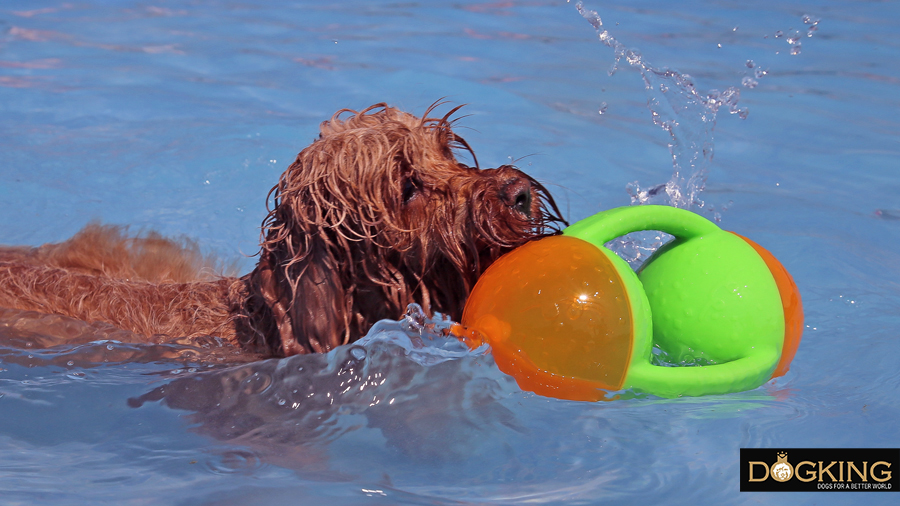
x=557, y=317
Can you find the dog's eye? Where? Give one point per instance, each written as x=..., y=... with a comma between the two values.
x=411, y=189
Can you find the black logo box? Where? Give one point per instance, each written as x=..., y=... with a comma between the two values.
x=822, y=469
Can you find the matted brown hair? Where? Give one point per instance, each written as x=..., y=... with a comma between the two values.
x=378, y=213
x=375, y=214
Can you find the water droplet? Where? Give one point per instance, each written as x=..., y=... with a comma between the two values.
x=749, y=82
x=795, y=50
x=603, y=107
x=759, y=73
x=358, y=352
x=633, y=57
x=414, y=319
x=70, y=363
x=282, y=402
x=750, y=64
x=110, y=347
x=779, y=34
x=592, y=16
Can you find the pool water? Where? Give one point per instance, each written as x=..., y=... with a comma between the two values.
x=179, y=116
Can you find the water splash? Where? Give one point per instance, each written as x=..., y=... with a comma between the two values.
x=795, y=37
x=686, y=114
x=689, y=117
x=812, y=25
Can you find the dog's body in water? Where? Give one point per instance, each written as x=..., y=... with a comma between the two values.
x=375, y=214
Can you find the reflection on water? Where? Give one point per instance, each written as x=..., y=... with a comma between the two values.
x=405, y=411
x=420, y=390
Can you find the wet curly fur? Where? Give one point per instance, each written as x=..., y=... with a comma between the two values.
x=375, y=214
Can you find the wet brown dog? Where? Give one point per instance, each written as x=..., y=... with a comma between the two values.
x=377, y=213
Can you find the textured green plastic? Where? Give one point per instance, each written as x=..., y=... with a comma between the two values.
x=712, y=299
x=641, y=317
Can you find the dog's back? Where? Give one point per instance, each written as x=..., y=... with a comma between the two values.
x=146, y=284
x=108, y=250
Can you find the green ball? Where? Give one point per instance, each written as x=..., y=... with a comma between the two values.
x=713, y=301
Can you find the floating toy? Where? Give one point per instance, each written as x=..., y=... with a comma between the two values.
x=568, y=318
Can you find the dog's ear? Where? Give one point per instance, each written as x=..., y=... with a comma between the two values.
x=277, y=302
x=319, y=307
x=303, y=303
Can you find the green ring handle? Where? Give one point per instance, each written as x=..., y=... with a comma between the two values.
x=709, y=294
x=603, y=227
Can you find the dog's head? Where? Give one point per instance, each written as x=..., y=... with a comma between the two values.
x=378, y=213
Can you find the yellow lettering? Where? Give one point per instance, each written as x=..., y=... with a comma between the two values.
x=764, y=466
x=885, y=475
x=811, y=473
x=826, y=470
x=852, y=466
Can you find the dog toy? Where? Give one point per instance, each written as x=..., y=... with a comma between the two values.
x=568, y=318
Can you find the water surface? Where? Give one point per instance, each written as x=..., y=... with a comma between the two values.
x=179, y=116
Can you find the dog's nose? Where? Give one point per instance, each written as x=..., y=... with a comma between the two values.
x=517, y=195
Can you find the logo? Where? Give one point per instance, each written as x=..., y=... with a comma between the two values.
x=782, y=470
x=820, y=469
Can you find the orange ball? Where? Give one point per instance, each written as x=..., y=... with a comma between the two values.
x=557, y=317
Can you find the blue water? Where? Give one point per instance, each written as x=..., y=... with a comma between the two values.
x=179, y=116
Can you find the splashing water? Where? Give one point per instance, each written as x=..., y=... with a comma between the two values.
x=796, y=36
x=689, y=117
x=678, y=108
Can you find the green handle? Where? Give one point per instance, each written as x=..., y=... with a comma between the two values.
x=603, y=227
x=710, y=294
x=738, y=375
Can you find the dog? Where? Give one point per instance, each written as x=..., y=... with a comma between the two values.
x=375, y=214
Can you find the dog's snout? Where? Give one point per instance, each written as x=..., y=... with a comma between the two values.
x=517, y=195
